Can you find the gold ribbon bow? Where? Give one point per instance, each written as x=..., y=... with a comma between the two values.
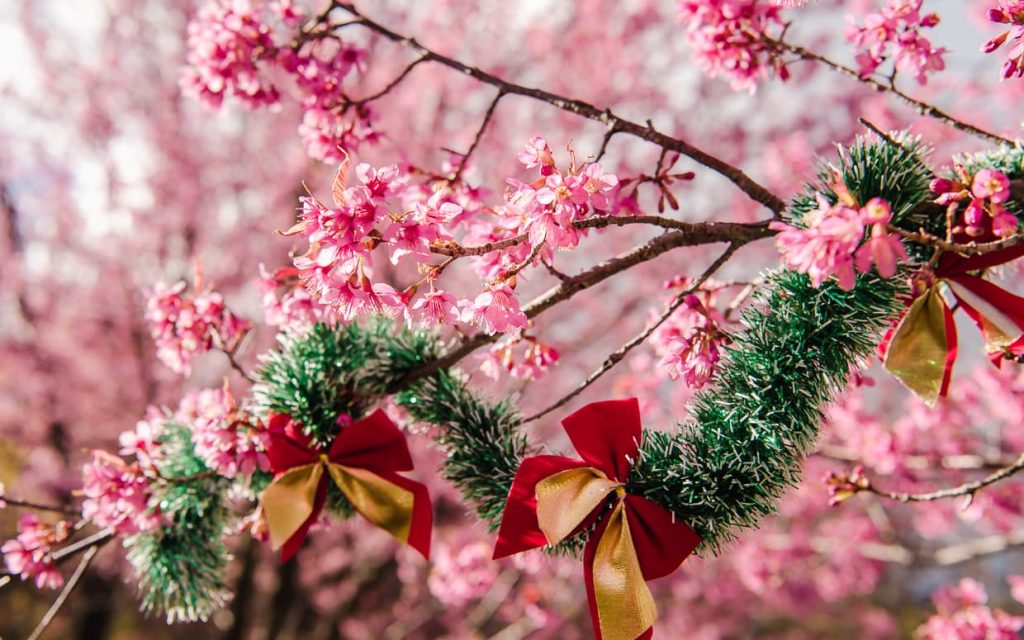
x=625, y=606
x=290, y=499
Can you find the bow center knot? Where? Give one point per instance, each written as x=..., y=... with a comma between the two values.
x=620, y=491
x=324, y=460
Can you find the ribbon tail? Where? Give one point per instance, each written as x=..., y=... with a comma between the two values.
x=998, y=314
x=923, y=347
x=291, y=504
x=387, y=504
x=621, y=604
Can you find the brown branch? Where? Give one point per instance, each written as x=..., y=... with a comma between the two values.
x=479, y=134
x=970, y=249
x=711, y=231
x=745, y=183
x=28, y=504
x=69, y=586
x=737, y=235
x=391, y=85
x=922, y=108
x=616, y=356
x=967, y=489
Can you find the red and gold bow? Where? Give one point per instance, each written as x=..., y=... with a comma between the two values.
x=363, y=462
x=634, y=539
x=921, y=347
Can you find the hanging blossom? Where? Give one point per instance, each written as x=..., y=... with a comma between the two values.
x=1009, y=12
x=730, y=38
x=523, y=357
x=289, y=305
x=232, y=51
x=29, y=554
x=549, y=206
x=985, y=193
x=962, y=613
x=894, y=33
x=228, y=441
x=689, y=343
x=184, y=326
x=143, y=442
x=828, y=244
x=117, y=495
x=228, y=43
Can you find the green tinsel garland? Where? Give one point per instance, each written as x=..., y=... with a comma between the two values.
x=180, y=566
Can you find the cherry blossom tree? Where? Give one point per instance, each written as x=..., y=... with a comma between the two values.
x=578, y=200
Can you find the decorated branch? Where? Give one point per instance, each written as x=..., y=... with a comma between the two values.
x=418, y=310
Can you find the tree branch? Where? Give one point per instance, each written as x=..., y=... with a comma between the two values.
x=479, y=134
x=922, y=108
x=616, y=356
x=69, y=586
x=745, y=183
x=967, y=489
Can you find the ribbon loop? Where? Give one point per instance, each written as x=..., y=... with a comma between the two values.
x=289, y=501
x=383, y=503
x=923, y=347
x=565, y=499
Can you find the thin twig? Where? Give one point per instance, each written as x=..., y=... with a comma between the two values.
x=479, y=134
x=737, y=176
x=709, y=232
x=97, y=539
x=28, y=504
x=69, y=586
x=922, y=108
x=391, y=85
x=616, y=356
x=967, y=489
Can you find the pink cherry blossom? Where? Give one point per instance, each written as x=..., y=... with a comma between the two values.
x=894, y=33
x=727, y=38
x=962, y=613
x=226, y=442
x=28, y=555
x=184, y=326
x=116, y=495
x=538, y=154
x=882, y=248
x=825, y=247
x=496, y=310
x=461, y=574
x=228, y=43
x=1009, y=12
x=436, y=307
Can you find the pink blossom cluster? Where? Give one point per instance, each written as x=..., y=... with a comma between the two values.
x=227, y=42
x=416, y=221
x=143, y=441
x=117, y=494
x=689, y=342
x=229, y=442
x=184, y=326
x=730, y=38
x=894, y=33
x=985, y=216
x=232, y=50
x=962, y=613
x=28, y=555
x=287, y=304
x=522, y=357
x=830, y=242
x=553, y=203
x=1009, y=12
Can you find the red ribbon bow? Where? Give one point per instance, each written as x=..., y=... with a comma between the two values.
x=634, y=540
x=363, y=462
x=921, y=347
